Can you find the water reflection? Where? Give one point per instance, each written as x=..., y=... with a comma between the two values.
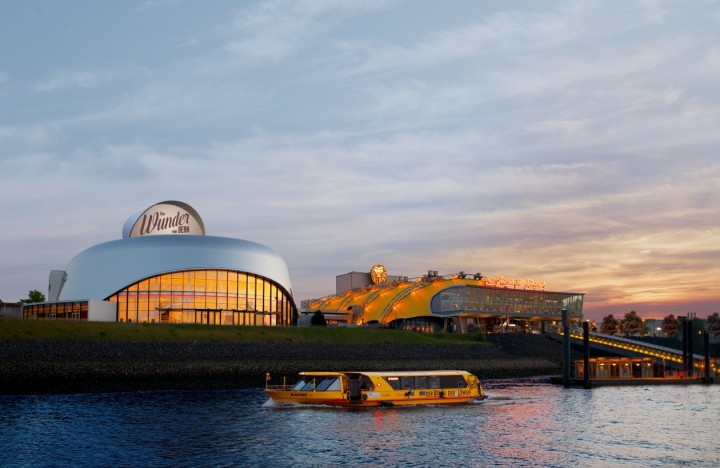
x=522, y=423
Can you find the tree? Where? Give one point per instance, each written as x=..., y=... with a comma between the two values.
x=713, y=324
x=609, y=325
x=671, y=326
x=34, y=296
x=318, y=319
x=631, y=324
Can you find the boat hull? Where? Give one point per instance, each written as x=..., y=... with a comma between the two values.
x=288, y=397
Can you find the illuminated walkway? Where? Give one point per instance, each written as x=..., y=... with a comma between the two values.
x=632, y=348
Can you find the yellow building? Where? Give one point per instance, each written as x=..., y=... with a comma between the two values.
x=457, y=302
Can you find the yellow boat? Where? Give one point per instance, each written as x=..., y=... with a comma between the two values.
x=358, y=389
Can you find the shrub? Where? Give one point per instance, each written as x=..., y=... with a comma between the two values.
x=478, y=335
x=318, y=319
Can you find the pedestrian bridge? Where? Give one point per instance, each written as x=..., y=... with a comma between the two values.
x=631, y=348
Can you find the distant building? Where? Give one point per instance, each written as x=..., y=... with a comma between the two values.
x=653, y=327
x=10, y=309
x=166, y=270
x=453, y=302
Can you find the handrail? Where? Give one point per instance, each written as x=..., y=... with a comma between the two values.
x=634, y=346
x=280, y=387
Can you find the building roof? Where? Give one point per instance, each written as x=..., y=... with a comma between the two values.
x=104, y=269
x=401, y=299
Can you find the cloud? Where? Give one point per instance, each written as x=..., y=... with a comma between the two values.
x=25, y=138
x=72, y=79
x=565, y=127
x=504, y=32
x=4, y=83
x=277, y=29
x=7, y=132
x=153, y=4
x=574, y=144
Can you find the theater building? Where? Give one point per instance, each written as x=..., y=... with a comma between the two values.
x=457, y=302
x=166, y=270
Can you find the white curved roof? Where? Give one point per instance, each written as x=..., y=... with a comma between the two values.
x=104, y=269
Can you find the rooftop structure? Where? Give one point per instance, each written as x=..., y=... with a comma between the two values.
x=450, y=302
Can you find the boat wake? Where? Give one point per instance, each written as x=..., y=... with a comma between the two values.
x=496, y=397
x=270, y=403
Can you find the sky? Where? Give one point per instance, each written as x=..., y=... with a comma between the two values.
x=570, y=142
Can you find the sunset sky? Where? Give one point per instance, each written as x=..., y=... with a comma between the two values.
x=575, y=143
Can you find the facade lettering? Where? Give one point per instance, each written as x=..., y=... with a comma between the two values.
x=158, y=221
x=164, y=218
x=502, y=282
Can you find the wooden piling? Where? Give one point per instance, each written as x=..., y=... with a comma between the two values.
x=586, y=354
x=566, y=348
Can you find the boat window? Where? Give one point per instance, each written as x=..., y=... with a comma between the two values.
x=394, y=382
x=322, y=384
x=421, y=382
x=325, y=384
x=334, y=385
x=407, y=383
x=309, y=385
x=434, y=381
x=366, y=383
x=453, y=381
x=301, y=383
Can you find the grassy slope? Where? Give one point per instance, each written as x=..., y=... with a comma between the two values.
x=100, y=331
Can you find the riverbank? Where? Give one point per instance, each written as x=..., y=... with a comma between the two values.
x=41, y=366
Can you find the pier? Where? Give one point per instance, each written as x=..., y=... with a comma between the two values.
x=634, y=362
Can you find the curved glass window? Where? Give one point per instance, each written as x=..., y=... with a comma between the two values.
x=504, y=302
x=213, y=297
x=452, y=299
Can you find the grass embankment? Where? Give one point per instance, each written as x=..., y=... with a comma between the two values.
x=58, y=330
x=39, y=356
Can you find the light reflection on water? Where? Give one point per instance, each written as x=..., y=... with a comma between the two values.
x=522, y=423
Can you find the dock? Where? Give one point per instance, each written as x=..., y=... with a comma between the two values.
x=643, y=364
x=594, y=383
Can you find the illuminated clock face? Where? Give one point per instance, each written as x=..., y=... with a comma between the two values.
x=378, y=274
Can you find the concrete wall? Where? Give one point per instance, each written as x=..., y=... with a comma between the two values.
x=55, y=283
x=352, y=280
x=102, y=311
x=357, y=280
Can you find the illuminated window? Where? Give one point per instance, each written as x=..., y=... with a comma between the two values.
x=215, y=297
x=57, y=311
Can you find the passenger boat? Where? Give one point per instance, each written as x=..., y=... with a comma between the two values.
x=359, y=389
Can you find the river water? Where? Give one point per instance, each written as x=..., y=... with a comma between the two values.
x=524, y=422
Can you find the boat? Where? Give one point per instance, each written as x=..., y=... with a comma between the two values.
x=372, y=389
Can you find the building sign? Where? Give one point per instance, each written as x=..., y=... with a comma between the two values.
x=165, y=218
x=378, y=274
x=502, y=282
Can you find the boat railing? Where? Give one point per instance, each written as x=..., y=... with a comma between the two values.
x=277, y=387
x=280, y=387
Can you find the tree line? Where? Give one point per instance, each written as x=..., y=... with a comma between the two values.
x=632, y=324
x=33, y=296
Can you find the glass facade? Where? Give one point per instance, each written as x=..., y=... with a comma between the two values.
x=420, y=324
x=505, y=302
x=213, y=297
x=74, y=310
